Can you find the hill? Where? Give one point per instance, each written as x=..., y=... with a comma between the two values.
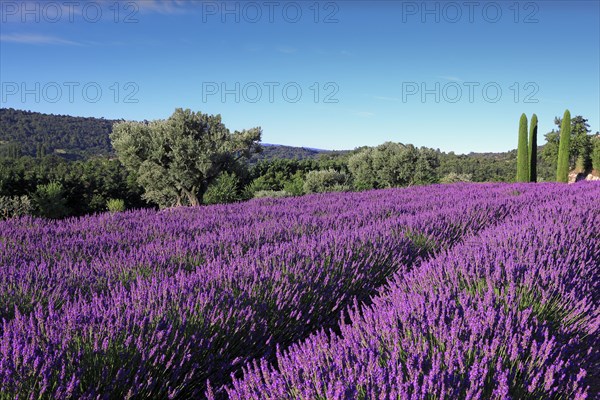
x=273, y=151
x=31, y=133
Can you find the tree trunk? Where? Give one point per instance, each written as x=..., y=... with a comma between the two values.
x=192, y=197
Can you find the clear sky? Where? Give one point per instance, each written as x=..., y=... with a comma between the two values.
x=328, y=74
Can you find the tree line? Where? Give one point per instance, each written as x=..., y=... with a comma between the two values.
x=192, y=158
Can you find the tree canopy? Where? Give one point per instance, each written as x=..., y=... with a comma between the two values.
x=393, y=165
x=175, y=160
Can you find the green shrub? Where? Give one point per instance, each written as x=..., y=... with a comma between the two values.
x=276, y=194
x=256, y=185
x=14, y=206
x=325, y=181
x=223, y=190
x=50, y=201
x=115, y=205
x=295, y=186
x=453, y=177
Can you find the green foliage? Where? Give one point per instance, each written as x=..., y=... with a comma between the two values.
x=275, y=194
x=50, y=200
x=453, y=177
x=325, y=181
x=580, y=145
x=10, y=150
x=175, y=160
x=363, y=171
x=14, y=206
x=393, y=165
x=596, y=153
x=281, y=174
x=115, y=205
x=39, y=134
x=257, y=185
x=533, y=149
x=223, y=190
x=482, y=167
x=87, y=185
x=562, y=172
x=522, y=152
x=280, y=152
x=426, y=167
x=295, y=186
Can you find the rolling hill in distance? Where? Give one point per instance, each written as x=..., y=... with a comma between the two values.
x=74, y=137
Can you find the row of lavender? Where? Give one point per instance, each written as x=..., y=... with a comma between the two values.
x=148, y=304
x=80, y=257
x=512, y=313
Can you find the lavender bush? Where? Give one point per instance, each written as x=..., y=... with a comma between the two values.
x=510, y=313
x=146, y=304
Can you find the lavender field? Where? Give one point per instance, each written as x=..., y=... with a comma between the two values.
x=445, y=291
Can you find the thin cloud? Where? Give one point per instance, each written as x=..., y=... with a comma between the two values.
x=25, y=38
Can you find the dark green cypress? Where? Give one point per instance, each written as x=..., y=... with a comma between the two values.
x=533, y=149
x=522, y=157
x=562, y=172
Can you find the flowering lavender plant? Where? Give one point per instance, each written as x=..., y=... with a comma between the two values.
x=454, y=290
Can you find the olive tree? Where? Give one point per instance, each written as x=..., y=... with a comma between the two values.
x=175, y=160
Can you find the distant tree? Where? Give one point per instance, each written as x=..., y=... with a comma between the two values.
x=325, y=181
x=50, y=200
x=393, y=165
x=426, y=167
x=362, y=170
x=562, y=174
x=533, y=149
x=580, y=146
x=175, y=160
x=522, y=152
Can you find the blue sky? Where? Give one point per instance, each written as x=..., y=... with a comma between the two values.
x=327, y=74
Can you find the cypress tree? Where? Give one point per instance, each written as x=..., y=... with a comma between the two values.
x=533, y=149
x=562, y=172
x=522, y=157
